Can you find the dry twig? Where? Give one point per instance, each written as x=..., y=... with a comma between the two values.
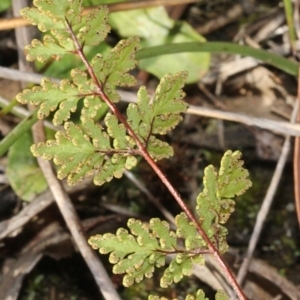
x=6, y=24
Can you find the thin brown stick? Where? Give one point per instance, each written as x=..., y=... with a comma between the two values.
x=41, y=202
x=297, y=160
x=297, y=139
x=151, y=198
x=6, y=24
x=280, y=127
x=24, y=76
x=229, y=16
x=68, y=211
x=143, y=151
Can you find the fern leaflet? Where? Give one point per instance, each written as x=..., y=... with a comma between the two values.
x=213, y=205
x=159, y=116
x=138, y=253
x=87, y=151
x=54, y=17
x=220, y=295
x=61, y=98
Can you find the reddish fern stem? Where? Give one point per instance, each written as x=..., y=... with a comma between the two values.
x=297, y=160
x=143, y=151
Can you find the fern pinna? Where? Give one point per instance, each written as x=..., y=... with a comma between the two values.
x=105, y=151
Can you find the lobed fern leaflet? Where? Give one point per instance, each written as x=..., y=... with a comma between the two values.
x=55, y=17
x=112, y=70
x=86, y=151
x=213, y=205
x=146, y=246
x=159, y=116
x=220, y=295
x=61, y=98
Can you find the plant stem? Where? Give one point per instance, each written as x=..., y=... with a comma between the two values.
x=143, y=151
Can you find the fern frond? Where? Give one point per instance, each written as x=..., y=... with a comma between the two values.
x=91, y=150
x=84, y=152
x=213, y=206
x=160, y=115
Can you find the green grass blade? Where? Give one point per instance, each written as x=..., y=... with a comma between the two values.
x=288, y=8
x=269, y=58
x=18, y=131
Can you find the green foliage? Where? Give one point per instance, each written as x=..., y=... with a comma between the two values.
x=88, y=149
x=113, y=70
x=64, y=97
x=91, y=150
x=62, y=68
x=136, y=254
x=214, y=205
x=54, y=17
x=51, y=95
x=158, y=116
x=220, y=295
x=4, y=5
x=154, y=27
x=23, y=172
x=163, y=113
x=146, y=246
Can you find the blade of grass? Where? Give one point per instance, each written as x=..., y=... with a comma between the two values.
x=269, y=58
x=288, y=9
x=18, y=131
x=8, y=108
